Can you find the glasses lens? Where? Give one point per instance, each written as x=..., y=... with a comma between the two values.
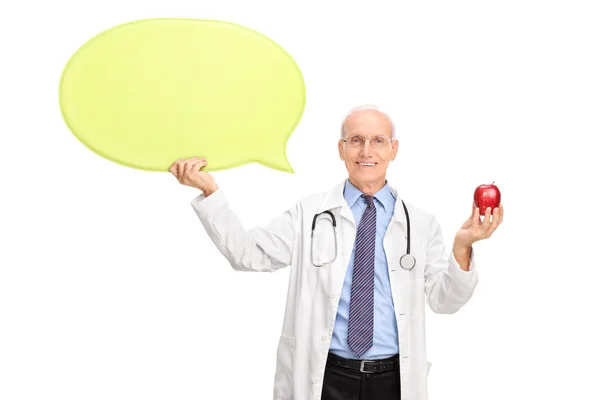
x=378, y=141
x=355, y=141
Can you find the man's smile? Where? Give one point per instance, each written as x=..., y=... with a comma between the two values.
x=366, y=164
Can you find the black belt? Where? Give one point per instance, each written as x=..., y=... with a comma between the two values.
x=368, y=366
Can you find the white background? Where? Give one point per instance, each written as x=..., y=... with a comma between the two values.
x=111, y=289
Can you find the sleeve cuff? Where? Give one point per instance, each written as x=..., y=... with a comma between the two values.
x=464, y=276
x=207, y=205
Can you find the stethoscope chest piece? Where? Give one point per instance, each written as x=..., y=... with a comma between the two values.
x=408, y=261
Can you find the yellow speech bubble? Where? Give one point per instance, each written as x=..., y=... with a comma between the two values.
x=149, y=92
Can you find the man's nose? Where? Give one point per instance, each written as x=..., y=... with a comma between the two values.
x=366, y=148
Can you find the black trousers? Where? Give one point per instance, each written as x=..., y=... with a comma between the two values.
x=340, y=383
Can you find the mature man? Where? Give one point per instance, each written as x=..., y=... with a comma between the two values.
x=354, y=322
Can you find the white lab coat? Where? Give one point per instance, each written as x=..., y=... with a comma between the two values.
x=314, y=293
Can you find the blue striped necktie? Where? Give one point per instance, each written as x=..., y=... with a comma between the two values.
x=360, y=320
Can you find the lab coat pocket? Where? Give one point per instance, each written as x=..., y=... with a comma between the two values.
x=286, y=350
x=323, y=242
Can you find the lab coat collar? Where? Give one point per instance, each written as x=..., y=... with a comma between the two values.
x=334, y=198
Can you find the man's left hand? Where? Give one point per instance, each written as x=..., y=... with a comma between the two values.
x=474, y=229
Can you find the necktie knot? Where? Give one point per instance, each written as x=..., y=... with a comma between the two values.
x=368, y=199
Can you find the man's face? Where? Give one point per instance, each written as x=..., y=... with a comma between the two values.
x=367, y=164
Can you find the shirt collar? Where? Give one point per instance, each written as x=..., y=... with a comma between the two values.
x=383, y=195
x=334, y=199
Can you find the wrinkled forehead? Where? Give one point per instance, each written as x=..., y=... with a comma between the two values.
x=368, y=123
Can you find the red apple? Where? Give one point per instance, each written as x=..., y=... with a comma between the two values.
x=487, y=196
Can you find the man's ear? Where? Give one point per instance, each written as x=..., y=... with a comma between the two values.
x=394, y=149
x=341, y=149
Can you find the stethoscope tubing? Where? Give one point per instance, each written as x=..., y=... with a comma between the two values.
x=407, y=261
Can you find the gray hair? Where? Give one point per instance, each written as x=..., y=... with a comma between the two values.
x=366, y=107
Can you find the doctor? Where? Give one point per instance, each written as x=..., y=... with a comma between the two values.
x=354, y=321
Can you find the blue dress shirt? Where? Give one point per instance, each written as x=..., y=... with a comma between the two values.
x=385, y=332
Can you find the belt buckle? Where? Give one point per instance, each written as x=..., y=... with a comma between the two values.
x=362, y=366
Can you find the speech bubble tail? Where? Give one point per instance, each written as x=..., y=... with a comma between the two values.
x=279, y=162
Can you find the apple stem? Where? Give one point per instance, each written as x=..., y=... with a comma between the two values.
x=493, y=182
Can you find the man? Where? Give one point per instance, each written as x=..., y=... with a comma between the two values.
x=354, y=326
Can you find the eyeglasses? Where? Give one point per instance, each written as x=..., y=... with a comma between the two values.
x=359, y=141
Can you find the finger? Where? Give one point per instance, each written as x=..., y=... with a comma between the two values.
x=175, y=168
x=180, y=165
x=200, y=164
x=476, y=221
x=186, y=166
x=487, y=220
x=495, y=222
x=194, y=165
x=500, y=214
x=184, y=162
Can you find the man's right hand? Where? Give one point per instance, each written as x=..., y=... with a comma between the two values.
x=187, y=172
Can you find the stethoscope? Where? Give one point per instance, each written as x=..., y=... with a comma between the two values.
x=407, y=261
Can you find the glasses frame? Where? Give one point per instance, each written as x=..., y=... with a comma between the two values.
x=366, y=139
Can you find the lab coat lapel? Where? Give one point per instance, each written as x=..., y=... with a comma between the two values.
x=335, y=199
x=398, y=217
x=395, y=241
x=335, y=202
